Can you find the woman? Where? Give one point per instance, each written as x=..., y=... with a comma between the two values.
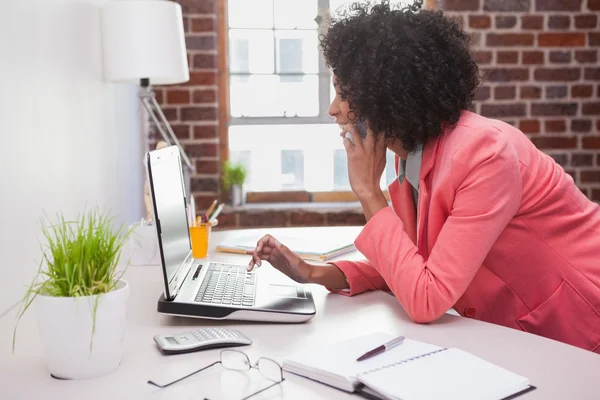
x=480, y=220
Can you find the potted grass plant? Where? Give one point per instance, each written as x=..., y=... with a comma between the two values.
x=80, y=298
x=234, y=176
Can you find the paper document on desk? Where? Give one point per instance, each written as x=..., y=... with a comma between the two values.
x=306, y=246
x=411, y=371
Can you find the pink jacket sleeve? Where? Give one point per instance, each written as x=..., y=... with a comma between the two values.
x=361, y=277
x=487, y=185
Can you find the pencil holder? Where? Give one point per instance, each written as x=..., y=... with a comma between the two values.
x=200, y=237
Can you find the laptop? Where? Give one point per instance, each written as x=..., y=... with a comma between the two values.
x=205, y=288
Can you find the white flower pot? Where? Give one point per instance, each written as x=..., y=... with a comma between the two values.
x=65, y=329
x=238, y=195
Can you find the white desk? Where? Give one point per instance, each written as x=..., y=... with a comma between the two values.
x=558, y=370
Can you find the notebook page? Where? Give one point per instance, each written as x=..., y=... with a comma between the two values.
x=336, y=365
x=451, y=374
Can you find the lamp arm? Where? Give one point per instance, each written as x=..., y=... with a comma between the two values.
x=161, y=123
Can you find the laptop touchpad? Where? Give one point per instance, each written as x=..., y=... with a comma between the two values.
x=284, y=291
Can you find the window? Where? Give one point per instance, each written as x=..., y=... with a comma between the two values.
x=279, y=94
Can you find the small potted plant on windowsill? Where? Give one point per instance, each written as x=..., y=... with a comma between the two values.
x=80, y=298
x=234, y=176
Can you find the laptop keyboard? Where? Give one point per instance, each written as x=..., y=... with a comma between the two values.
x=227, y=284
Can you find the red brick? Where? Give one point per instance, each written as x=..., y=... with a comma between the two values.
x=507, y=57
x=550, y=109
x=482, y=57
x=203, y=201
x=586, y=56
x=506, y=5
x=589, y=176
x=555, y=126
x=594, y=39
x=207, y=167
x=532, y=22
x=204, y=42
x=503, y=110
x=306, y=218
x=598, y=129
x=203, y=24
x=557, y=74
x=504, y=92
x=171, y=114
x=475, y=39
x=592, y=74
x=186, y=24
x=202, y=150
x=346, y=218
x=176, y=96
x=506, y=74
x=529, y=126
x=560, y=57
x=592, y=142
x=202, y=78
x=206, y=131
x=583, y=91
x=460, y=5
x=557, y=92
x=199, y=113
x=533, y=57
x=595, y=195
x=227, y=220
x=505, y=21
x=182, y=131
x=205, y=96
x=197, y=7
x=558, y=5
x=581, y=125
x=594, y=5
x=510, y=39
x=482, y=93
x=560, y=158
x=591, y=108
x=586, y=21
x=559, y=21
x=531, y=92
x=563, y=39
x=207, y=61
x=159, y=95
x=479, y=21
x=205, y=184
x=271, y=219
x=582, y=159
x=559, y=142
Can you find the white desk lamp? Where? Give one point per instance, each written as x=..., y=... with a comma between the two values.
x=143, y=41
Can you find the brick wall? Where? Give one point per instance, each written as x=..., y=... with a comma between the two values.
x=540, y=59
x=192, y=108
x=541, y=71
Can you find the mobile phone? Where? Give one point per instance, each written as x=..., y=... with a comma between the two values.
x=361, y=127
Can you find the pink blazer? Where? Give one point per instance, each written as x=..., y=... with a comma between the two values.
x=503, y=235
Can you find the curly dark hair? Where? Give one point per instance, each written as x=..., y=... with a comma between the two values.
x=406, y=71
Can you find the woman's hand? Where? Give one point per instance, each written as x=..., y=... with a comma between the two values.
x=366, y=163
x=281, y=257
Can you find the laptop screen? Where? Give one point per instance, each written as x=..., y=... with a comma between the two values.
x=168, y=194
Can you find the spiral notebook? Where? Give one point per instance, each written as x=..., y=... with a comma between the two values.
x=411, y=371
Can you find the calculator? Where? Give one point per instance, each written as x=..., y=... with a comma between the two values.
x=200, y=339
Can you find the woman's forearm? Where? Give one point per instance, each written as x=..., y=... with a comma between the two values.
x=329, y=276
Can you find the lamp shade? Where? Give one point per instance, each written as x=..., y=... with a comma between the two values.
x=144, y=39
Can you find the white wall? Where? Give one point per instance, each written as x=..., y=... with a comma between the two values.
x=69, y=140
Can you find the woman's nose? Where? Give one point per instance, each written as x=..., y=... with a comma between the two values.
x=333, y=109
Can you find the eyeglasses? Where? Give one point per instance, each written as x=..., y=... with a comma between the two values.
x=238, y=361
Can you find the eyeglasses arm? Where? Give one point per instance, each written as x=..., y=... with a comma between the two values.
x=182, y=378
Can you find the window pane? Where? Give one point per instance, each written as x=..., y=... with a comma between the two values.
x=297, y=52
x=274, y=96
x=251, y=51
x=292, y=14
x=292, y=169
x=340, y=170
x=250, y=14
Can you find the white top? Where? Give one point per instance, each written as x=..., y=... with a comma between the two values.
x=559, y=371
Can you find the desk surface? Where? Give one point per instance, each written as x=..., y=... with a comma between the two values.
x=558, y=370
